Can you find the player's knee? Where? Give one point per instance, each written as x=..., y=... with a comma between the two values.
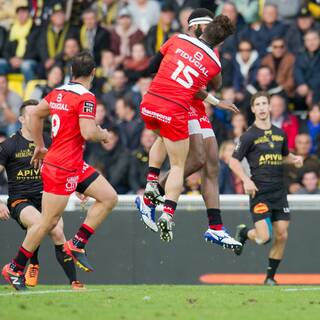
x=197, y=162
x=212, y=168
x=57, y=234
x=111, y=200
x=282, y=236
x=263, y=239
x=51, y=224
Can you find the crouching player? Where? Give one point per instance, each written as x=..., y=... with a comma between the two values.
x=25, y=192
x=265, y=147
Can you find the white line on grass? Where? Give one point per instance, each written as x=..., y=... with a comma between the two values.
x=48, y=292
x=300, y=289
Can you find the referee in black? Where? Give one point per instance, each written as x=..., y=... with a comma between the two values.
x=25, y=193
x=265, y=147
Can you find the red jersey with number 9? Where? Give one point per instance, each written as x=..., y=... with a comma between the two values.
x=68, y=104
x=187, y=66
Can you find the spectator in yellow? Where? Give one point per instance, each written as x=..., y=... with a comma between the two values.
x=20, y=50
x=53, y=36
x=107, y=11
x=160, y=33
x=93, y=37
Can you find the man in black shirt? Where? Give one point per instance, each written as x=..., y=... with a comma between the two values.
x=25, y=193
x=265, y=147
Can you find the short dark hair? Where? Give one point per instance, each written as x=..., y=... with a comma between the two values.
x=264, y=66
x=306, y=171
x=82, y=64
x=129, y=103
x=246, y=41
x=90, y=10
x=278, y=38
x=200, y=13
x=56, y=65
x=218, y=30
x=30, y=102
x=115, y=130
x=258, y=95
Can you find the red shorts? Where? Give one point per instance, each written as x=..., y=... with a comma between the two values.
x=171, y=119
x=64, y=182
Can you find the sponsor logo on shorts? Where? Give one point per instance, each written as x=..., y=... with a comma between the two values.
x=204, y=119
x=286, y=210
x=88, y=107
x=156, y=115
x=260, y=208
x=85, y=167
x=71, y=184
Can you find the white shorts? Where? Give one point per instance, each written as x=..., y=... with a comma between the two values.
x=207, y=133
x=194, y=127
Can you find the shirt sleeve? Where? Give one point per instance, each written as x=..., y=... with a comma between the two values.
x=242, y=148
x=285, y=148
x=48, y=97
x=87, y=107
x=164, y=48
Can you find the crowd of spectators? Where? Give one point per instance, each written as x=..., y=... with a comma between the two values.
x=276, y=48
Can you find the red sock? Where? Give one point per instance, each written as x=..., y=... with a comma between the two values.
x=153, y=174
x=169, y=207
x=148, y=202
x=216, y=226
x=82, y=236
x=20, y=261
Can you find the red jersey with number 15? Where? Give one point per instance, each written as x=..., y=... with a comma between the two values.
x=68, y=104
x=188, y=65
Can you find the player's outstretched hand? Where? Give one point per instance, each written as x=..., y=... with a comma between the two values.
x=38, y=156
x=250, y=188
x=226, y=105
x=4, y=212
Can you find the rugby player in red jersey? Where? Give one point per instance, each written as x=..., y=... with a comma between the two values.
x=72, y=108
x=203, y=154
x=187, y=66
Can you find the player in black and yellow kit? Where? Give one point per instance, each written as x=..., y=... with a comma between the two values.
x=25, y=193
x=265, y=147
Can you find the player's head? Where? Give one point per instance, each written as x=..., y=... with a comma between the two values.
x=198, y=20
x=260, y=105
x=25, y=111
x=83, y=66
x=218, y=30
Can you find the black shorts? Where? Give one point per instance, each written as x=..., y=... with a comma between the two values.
x=15, y=207
x=270, y=204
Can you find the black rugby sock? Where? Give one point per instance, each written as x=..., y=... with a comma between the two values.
x=66, y=263
x=272, y=268
x=35, y=259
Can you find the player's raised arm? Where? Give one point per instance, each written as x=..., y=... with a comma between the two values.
x=41, y=112
x=222, y=104
x=216, y=82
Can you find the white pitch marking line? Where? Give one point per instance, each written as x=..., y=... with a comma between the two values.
x=26, y=293
x=300, y=289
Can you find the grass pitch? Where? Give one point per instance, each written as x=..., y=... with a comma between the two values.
x=161, y=302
